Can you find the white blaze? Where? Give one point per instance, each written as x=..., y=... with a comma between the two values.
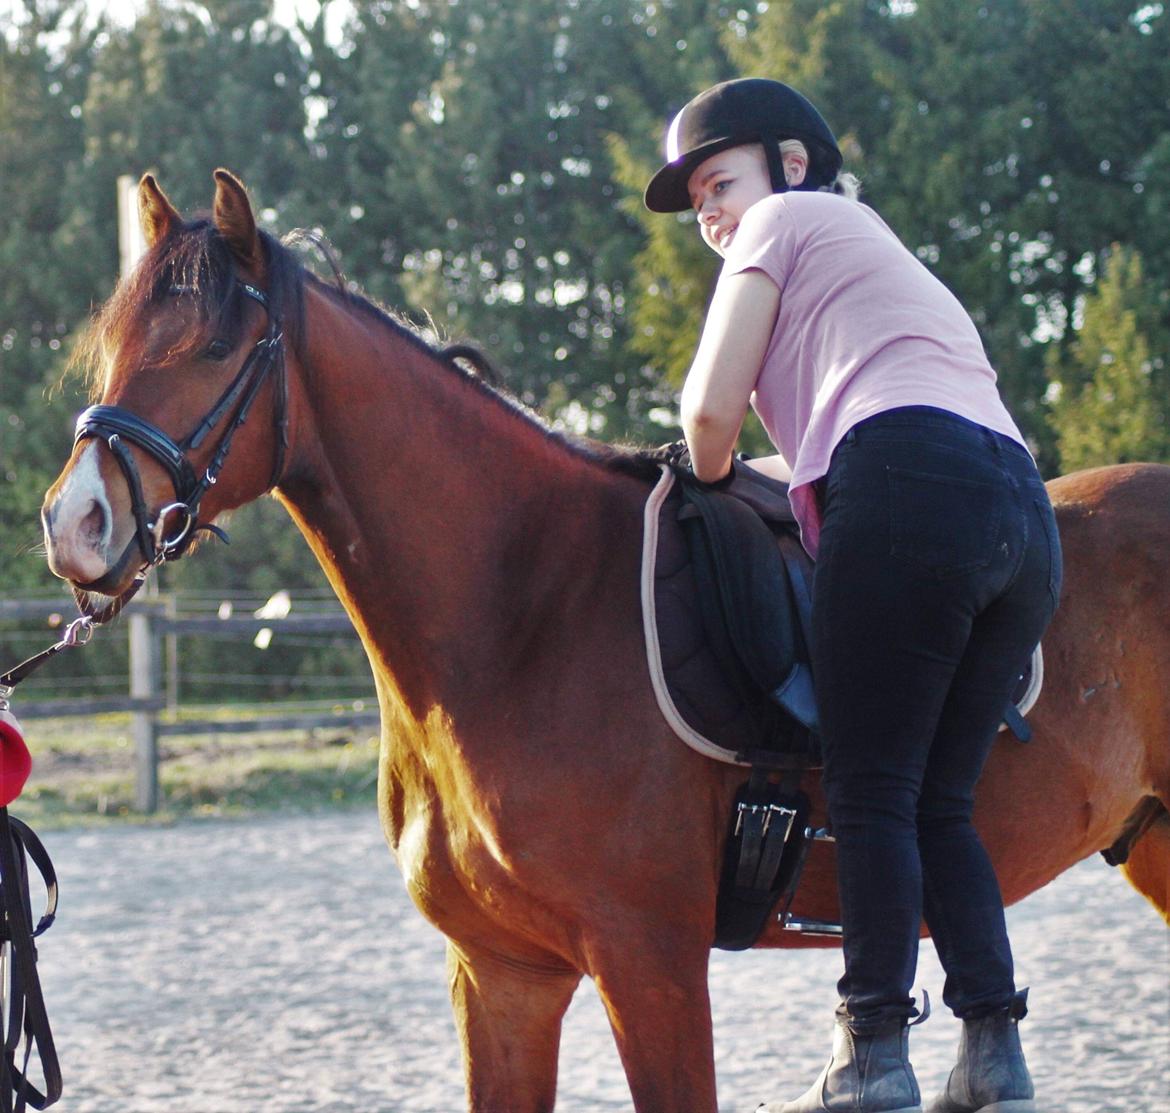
x=76, y=546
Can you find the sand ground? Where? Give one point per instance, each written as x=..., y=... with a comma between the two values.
x=276, y=964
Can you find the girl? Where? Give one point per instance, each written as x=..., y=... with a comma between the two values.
x=938, y=564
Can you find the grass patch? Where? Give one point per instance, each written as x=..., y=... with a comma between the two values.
x=83, y=774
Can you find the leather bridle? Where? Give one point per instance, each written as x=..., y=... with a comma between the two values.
x=116, y=426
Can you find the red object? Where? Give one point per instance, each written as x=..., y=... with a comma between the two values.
x=15, y=762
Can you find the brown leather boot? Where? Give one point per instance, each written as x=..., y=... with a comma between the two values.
x=991, y=1075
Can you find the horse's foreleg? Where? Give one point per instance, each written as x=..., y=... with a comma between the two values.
x=660, y=1013
x=1148, y=867
x=508, y=1013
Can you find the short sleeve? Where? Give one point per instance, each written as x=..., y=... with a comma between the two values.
x=764, y=241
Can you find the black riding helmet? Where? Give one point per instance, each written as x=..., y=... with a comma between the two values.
x=748, y=110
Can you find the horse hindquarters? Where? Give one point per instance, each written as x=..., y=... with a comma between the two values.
x=1148, y=867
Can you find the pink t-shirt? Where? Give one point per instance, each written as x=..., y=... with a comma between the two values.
x=863, y=327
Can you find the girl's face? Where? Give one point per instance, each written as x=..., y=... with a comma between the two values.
x=729, y=183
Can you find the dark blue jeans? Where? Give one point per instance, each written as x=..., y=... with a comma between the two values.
x=939, y=568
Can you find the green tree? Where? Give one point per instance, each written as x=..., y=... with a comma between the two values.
x=1008, y=144
x=474, y=139
x=1111, y=382
x=43, y=291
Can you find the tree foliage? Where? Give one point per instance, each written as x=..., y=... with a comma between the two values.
x=1113, y=379
x=481, y=164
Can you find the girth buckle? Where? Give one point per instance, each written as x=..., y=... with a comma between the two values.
x=761, y=816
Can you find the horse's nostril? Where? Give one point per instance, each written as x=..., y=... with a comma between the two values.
x=93, y=525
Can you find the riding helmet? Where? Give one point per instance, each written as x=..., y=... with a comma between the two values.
x=747, y=110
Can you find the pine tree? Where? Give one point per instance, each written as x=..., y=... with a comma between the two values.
x=1112, y=390
x=43, y=288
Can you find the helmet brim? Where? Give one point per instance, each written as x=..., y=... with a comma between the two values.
x=668, y=192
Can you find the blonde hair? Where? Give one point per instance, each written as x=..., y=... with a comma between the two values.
x=845, y=184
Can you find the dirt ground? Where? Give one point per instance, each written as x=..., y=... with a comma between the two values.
x=277, y=964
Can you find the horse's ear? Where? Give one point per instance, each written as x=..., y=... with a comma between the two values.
x=233, y=217
x=158, y=216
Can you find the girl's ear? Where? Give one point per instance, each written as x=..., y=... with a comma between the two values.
x=795, y=167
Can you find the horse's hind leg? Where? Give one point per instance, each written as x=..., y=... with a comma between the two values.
x=509, y=1014
x=1148, y=867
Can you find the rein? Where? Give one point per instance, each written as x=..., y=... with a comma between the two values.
x=23, y=1018
x=115, y=426
x=22, y=1005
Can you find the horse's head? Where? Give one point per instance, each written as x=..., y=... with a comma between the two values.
x=188, y=345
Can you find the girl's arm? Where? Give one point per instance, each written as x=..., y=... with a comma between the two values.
x=723, y=375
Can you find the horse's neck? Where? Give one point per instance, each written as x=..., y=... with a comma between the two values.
x=448, y=524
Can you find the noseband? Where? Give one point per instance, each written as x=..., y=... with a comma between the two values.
x=115, y=426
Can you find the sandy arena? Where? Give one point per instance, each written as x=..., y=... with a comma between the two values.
x=277, y=965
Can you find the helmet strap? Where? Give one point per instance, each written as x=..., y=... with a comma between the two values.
x=775, y=163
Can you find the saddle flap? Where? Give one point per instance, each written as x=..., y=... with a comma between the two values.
x=766, y=496
x=749, y=578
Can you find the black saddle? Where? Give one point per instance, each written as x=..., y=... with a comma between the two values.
x=753, y=584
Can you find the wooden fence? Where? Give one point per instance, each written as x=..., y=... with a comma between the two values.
x=149, y=624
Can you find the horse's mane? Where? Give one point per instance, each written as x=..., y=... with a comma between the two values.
x=196, y=262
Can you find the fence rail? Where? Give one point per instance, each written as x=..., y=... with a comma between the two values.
x=150, y=625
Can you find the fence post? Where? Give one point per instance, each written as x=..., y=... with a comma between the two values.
x=171, y=656
x=144, y=657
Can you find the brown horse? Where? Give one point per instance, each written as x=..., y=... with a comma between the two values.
x=543, y=813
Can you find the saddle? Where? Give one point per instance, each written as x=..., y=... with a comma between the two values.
x=727, y=609
x=727, y=598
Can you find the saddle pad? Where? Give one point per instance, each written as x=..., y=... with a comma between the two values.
x=703, y=710
x=701, y=707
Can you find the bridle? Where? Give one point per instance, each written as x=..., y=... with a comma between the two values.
x=115, y=426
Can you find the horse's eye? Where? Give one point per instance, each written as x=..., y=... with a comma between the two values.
x=218, y=349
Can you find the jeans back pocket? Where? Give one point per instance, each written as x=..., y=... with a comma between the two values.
x=946, y=525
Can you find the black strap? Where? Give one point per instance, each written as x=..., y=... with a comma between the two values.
x=78, y=632
x=16, y=674
x=137, y=501
x=23, y=1006
x=105, y=421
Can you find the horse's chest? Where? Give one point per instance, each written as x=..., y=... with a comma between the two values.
x=452, y=871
